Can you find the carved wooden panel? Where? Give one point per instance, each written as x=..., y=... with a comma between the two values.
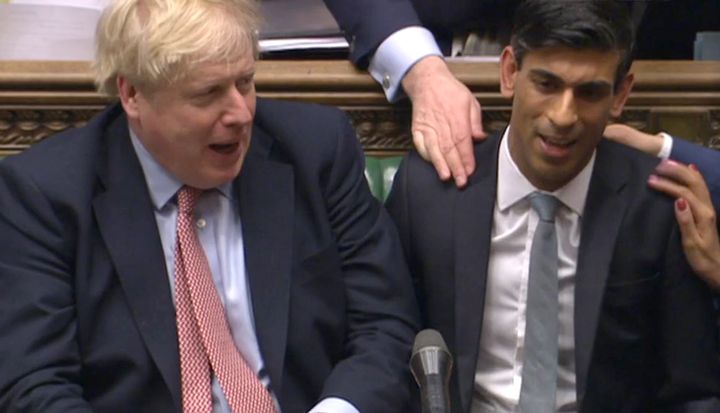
x=38, y=99
x=714, y=139
x=20, y=128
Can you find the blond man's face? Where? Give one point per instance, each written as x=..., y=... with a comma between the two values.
x=198, y=128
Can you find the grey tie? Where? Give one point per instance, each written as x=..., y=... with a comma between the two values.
x=539, y=373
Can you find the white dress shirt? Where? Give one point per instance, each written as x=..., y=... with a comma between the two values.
x=219, y=230
x=498, y=376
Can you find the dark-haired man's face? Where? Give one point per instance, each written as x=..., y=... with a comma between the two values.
x=562, y=100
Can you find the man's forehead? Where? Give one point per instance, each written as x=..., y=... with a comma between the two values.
x=573, y=66
x=214, y=71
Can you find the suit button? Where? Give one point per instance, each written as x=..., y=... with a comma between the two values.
x=201, y=223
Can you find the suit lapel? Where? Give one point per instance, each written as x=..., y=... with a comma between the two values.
x=124, y=213
x=473, y=227
x=265, y=192
x=604, y=211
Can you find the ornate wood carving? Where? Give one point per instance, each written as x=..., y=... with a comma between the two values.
x=714, y=140
x=38, y=99
x=20, y=128
x=381, y=130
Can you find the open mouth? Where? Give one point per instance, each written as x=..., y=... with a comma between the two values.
x=224, y=148
x=557, y=142
x=556, y=147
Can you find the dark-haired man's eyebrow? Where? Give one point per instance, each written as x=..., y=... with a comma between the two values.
x=596, y=86
x=540, y=74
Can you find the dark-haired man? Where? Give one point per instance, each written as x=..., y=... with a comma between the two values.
x=557, y=276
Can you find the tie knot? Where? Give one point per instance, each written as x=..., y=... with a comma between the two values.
x=545, y=205
x=187, y=197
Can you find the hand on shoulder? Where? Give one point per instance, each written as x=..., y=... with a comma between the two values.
x=446, y=117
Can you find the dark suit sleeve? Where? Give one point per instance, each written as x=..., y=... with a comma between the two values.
x=367, y=23
x=707, y=160
x=381, y=308
x=39, y=357
x=689, y=332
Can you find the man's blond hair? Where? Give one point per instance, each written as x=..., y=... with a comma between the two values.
x=154, y=43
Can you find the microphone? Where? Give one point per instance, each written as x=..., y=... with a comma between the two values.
x=431, y=364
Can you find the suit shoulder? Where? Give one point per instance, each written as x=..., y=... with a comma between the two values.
x=418, y=169
x=66, y=157
x=271, y=111
x=633, y=167
x=640, y=162
x=303, y=131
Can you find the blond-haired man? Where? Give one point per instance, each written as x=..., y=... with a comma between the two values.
x=194, y=248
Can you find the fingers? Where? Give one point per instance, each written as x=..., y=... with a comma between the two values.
x=695, y=216
x=476, y=121
x=419, y=143
x=686, y=222
x=681, y=181
x=426, y=145
x=433, y=133
x=694, y=204
x=700, y=243
x=449, y=147
x=445, y=119
x=694, y=210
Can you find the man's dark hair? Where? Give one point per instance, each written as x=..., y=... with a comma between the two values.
x=603, y=25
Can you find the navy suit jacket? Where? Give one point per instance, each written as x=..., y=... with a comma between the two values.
x=86, y=313
x=666, y=29
x=367, y=23
x=707, y=160
x=644, y=325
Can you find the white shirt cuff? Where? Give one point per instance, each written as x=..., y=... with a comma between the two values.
x=397, y=54
x=666, y=148
x=334, y=405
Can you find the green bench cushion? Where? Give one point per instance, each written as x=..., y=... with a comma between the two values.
x=379, y=172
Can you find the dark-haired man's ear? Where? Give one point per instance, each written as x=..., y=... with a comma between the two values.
x=508, y=72
x=621, y=95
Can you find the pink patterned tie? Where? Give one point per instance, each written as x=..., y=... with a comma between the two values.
x=203, y=333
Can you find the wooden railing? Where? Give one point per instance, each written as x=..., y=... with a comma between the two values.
x=40, y=98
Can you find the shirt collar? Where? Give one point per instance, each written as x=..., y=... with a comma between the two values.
x=513, y=186
x=161, y=183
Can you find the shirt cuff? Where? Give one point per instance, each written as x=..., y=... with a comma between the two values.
x=334, y=405
x=666, y=148
x=397, y=54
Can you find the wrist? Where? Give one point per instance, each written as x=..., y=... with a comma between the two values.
x=424, y=70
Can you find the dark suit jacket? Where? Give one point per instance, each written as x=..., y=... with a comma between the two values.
x=367, y=23
x=666, y=29
x=707, y=160
x=86, y=313
x=643, y=323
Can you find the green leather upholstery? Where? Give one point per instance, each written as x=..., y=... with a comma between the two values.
x=379, y=172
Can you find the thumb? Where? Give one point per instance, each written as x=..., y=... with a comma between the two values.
x=476, y=121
